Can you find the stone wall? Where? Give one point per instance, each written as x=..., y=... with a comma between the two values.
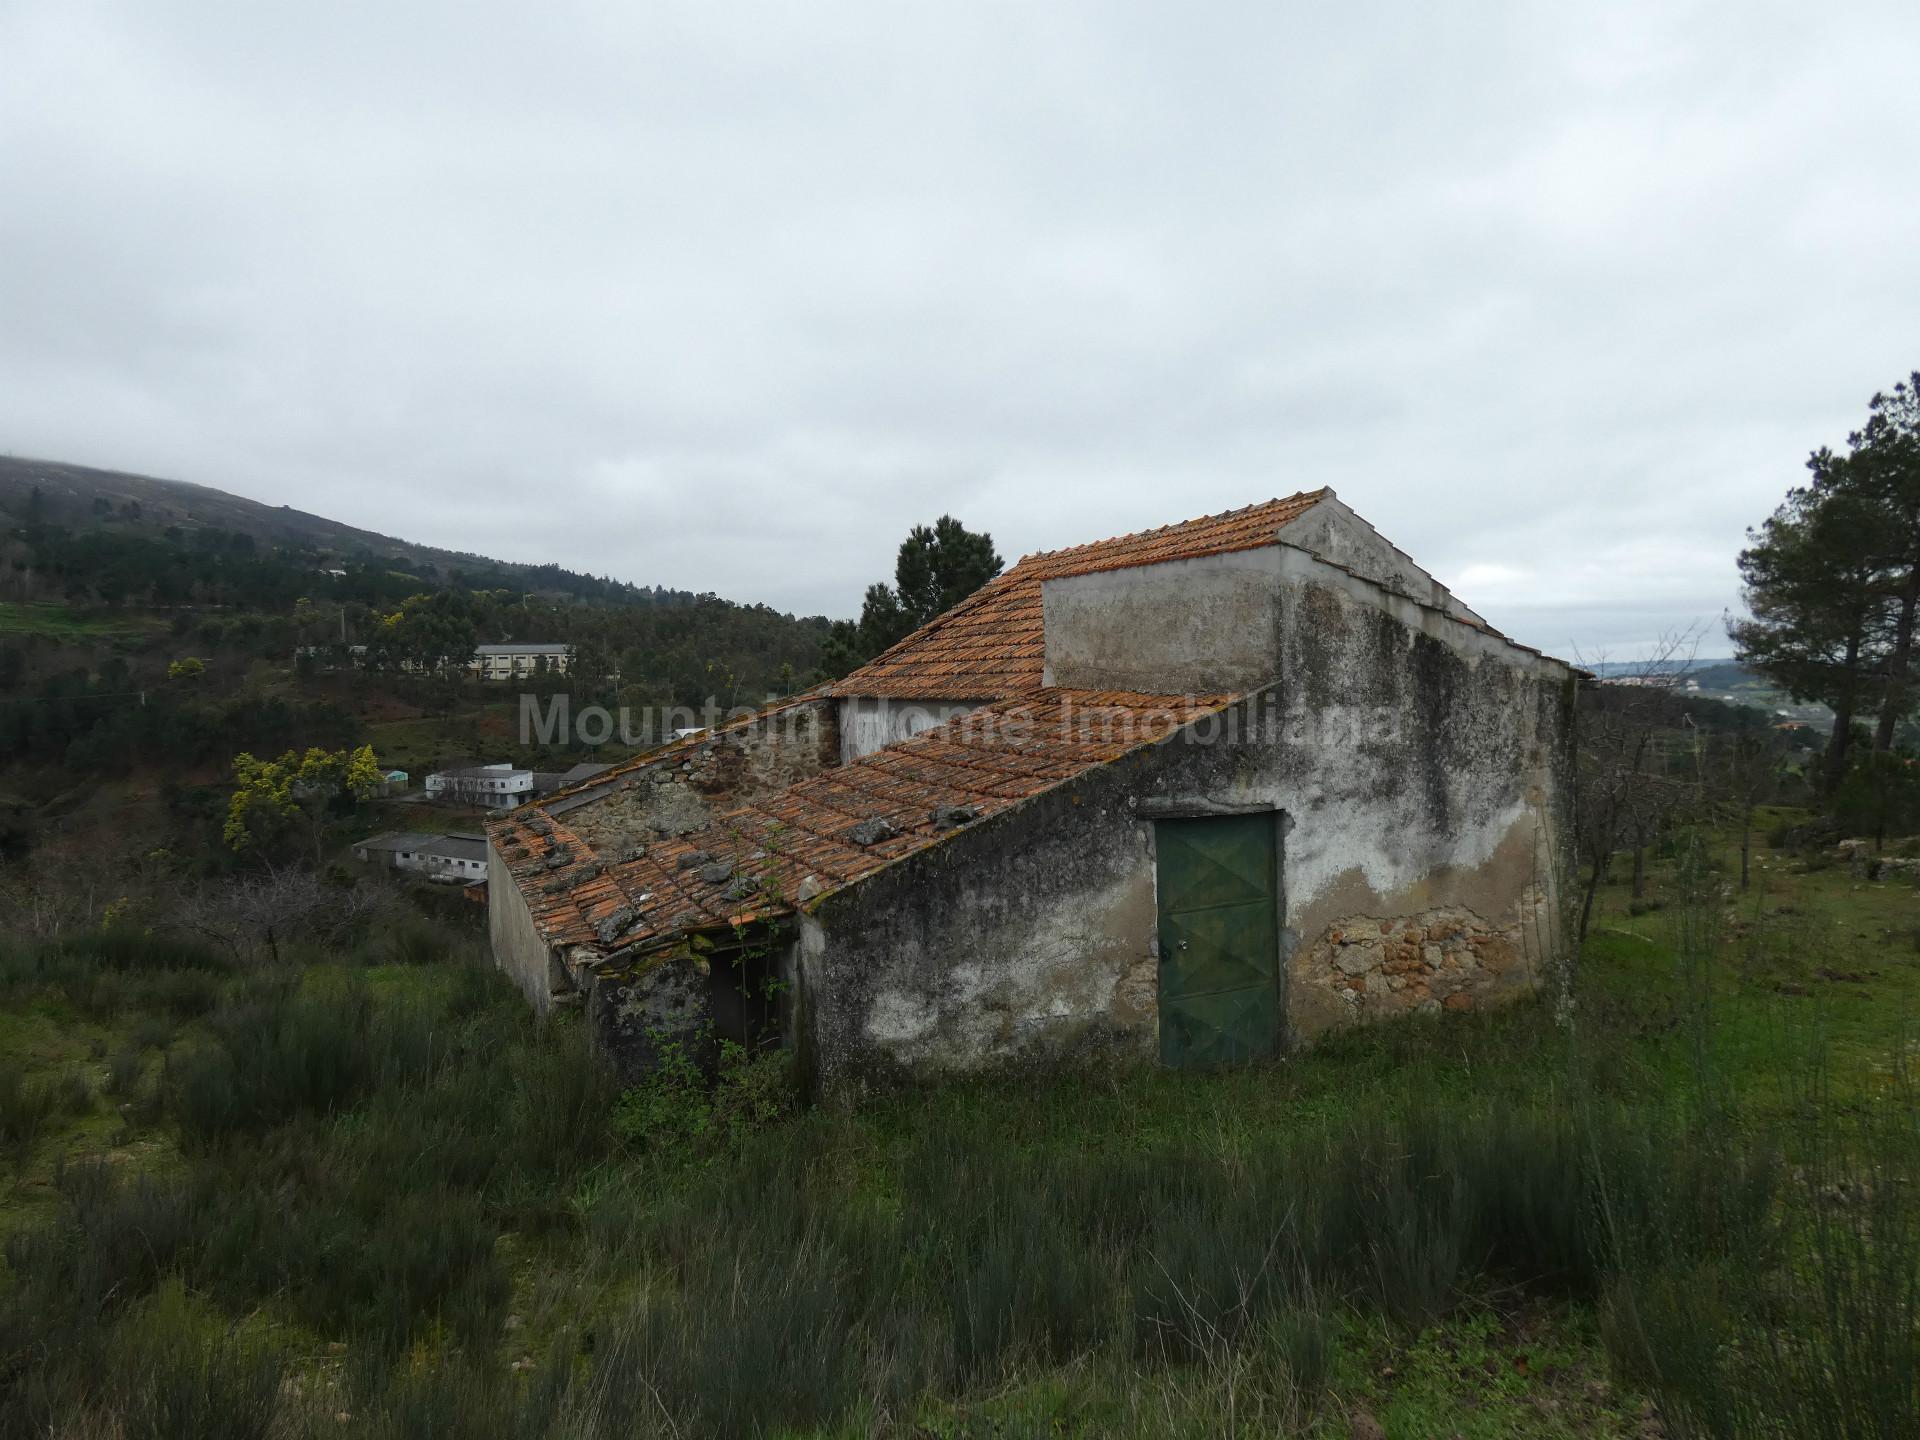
x=1449, y=958
x=518, y=948
x=634, y=1016
x=684, y=789
x=1426, y=766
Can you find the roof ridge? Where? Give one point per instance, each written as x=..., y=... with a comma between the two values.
x=1196, y=520
x=988, y=646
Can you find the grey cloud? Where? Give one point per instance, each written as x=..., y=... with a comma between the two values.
x=726, y=297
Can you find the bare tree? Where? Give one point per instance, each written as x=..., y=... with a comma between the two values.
x=1742, y=771
x=252, y=914
x=1628, y=777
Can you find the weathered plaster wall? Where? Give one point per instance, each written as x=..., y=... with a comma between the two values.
x=517, y=946
x=1026, y=941
x=871, y=722
x=1186, y=627
x=633, y=1016
x=684, y=790
x=1330, y=530
x=1421, y=765
x=1425, y=768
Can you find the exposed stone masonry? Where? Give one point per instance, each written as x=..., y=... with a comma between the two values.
x=685, y=789
x=1449, y=958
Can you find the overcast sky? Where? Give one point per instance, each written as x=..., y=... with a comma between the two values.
x=727, y=296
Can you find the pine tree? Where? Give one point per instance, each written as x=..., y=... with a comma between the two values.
x=1885, y=474
x=1817, y=627
x=1833, y=579
x=938, y=566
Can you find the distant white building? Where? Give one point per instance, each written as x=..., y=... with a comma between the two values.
x=517, y=662
x=488, y=662
x=497, y=787
x=452, y=858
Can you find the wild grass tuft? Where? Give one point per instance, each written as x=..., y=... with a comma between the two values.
x=26, y=1105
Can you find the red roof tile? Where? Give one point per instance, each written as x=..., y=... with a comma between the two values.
x=810, y=834
x=991, y=645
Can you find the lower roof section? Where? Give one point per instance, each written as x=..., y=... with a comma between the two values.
x=831, y=830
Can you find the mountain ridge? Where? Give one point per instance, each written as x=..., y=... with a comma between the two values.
x=84, y=497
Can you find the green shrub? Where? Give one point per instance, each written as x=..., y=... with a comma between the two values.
x=154, y=1032
x=73, y=1092
x=677, y=1110
x=182, y=994
x=124, y=1069
x=176, y=1377
x=415, y=942
x=474, y=1399
x=558, y=1100
x=1814, y=1335
x=753, y=1090
x=126, y=950
x=670, y=1109
x=271, y=1060
x=109, y=1242
x=423, y=1255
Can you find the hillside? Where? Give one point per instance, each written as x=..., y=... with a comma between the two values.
x=99, y=507
x=111, y=503
x=151, y=630
x=78, y=498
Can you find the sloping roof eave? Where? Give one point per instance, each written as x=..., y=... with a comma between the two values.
x=679, y=905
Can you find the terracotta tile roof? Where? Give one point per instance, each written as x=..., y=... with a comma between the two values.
x=753, y=862
x=991, y=645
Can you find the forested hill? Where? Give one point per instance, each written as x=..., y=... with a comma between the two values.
x=77, y=498
x=107, y=579
x=95, y=509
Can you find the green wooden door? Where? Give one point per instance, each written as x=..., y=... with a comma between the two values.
x=1219, y=940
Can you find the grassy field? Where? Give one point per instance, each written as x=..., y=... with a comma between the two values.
x=419, y=743
x=366, y=1195
x=63, y=622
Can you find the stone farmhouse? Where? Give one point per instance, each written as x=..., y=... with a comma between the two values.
x=1191, y=796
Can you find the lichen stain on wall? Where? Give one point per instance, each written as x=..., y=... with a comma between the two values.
x=635, y=1016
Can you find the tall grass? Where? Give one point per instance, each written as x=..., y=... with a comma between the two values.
x=26, y=1105
x=371, y=1163
x=351, y=1162
x=1820, y=1338
x=798, y=1295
